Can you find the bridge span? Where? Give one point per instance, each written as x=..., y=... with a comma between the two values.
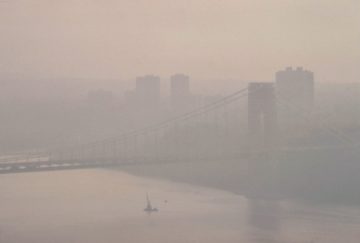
x=164, y=141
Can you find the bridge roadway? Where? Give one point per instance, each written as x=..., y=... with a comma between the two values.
x=51, y=164
x=21, y=167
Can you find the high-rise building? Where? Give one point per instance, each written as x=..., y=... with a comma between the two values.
x=296, y=86
x=180, y=90
x=147, y=90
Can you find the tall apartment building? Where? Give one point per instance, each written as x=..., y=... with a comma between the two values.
x=296, y=86
x=179, y=91
x=147, y=91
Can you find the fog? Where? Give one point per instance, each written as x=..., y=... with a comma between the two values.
x=209, y=39
x=181, y=121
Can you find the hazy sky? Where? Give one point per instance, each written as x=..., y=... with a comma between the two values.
x=242, y=39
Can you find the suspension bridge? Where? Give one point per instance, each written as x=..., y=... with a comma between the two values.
x=208, y=132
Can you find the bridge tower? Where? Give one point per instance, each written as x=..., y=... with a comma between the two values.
x=262, y=114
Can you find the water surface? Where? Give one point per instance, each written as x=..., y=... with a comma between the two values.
x=93, y=206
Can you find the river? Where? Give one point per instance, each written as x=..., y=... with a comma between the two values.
x=106, y=206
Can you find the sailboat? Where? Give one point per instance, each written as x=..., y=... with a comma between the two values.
x=149, y=208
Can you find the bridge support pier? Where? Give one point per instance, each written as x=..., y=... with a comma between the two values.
x=262, y=115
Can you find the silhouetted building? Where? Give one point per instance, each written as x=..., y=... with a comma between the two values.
x=262, y=114
x=147, y=91
x=180, y=91
x=296, y=86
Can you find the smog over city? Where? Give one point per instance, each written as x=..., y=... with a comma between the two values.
x=179, y=121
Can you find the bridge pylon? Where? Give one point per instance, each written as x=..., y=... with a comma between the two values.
x=262, y=115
